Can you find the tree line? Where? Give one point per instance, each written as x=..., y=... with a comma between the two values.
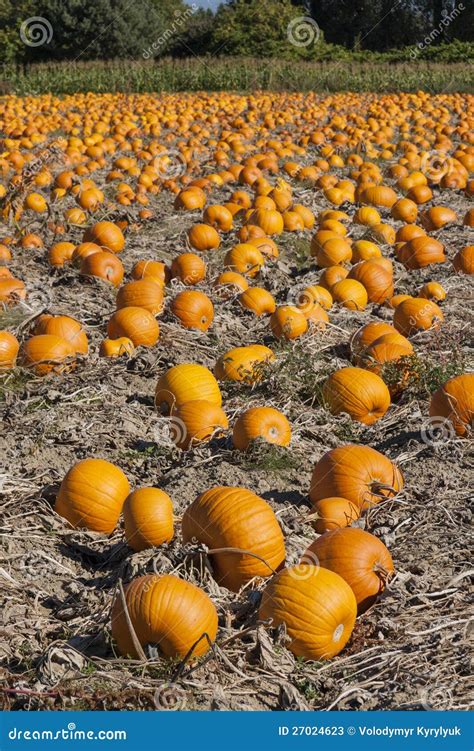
x=304, y=29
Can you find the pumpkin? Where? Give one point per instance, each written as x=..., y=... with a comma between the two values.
x=136, y=324
x=463, y=261
x=185, y=383
x=314, y=294
x=189, y=268
x=249, y=231
x=65, y=327
x=379, y=195
x=199, y=421
x=388, y=348
x=193, y=309
x=191, y=199
x=203, y=237
x=317, y=607
x=367, y=216
x=454, y=401
x=405, y=210
x=361, y=394
x=243, y=363
x=409, y=232
x=350, y=294
x=376, y=280
x=267, y=247
x=331, y=276
x=383, y=233
x=107, y=235
x=92, y=495
x=420, y=252
x=47, y=353
x=364, y=250
x=266, y=423
x=156, y=271
x=230, y=283
x=288, y=322
x=360, y=558
x=9, y=347
x=336, y=251
x=334, y=513
x=117, y=347
x=433, y=291
x=258, y=300
x=416, y=314
x=11, y=291
x=219, y=217
x=437, y=217
x=60, y=253
x=397, y=299
x=82, y=251
x=165, y=611
x=359, y=473
x=420, y=194
x=226, y=517
x=367, y=334
x=245, y=259
x=104, y=265
x=148, y=518
x=141, y=293
x=270, y=220
x=306, y=215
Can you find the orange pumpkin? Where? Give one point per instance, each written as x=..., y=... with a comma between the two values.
x=194, y=309
x=116, y=347
x=106, y=235
x=258, y=300
x=236, y=518
x=47, y=353
x=463, y=261
x=9, y=347
x=359, y=473
x=165, y=611
x=104, y=265
x=245, y=259
x=156, y=271
x=334, y=513
x=148, y=518
x=288, y=322
x=203, y=237
x=92, y=495
x=454, y=402
x=136, y=324
x=350, y=294
x=360, y=558
x=186, y=382
x=198, y=421
x=189, y=268
x=331, y=276
x=420, y=252
x=376, y=280
x=141, y=293
x=65, y=327
x=416, y=314
x=264, y=423
x=243, y=363
x=361, y=394
x=317, y=608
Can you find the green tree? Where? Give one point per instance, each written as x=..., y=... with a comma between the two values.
x=264, y=28
x=104, y=29
x=196, y=37
x=12, y=14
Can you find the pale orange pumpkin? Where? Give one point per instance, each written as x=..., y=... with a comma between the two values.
x=359, y=393
x=148, y=518
x=264, y=423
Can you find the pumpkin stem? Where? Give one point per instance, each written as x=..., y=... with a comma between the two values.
x=128, y=620
x=381, y=572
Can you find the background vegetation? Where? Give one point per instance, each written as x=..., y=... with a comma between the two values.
x=165, y=44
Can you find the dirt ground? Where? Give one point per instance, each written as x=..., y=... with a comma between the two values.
x=410, y=651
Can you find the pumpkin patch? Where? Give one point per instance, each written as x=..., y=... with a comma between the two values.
x=234, y=365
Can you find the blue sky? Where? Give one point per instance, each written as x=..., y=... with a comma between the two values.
x=212, y=4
